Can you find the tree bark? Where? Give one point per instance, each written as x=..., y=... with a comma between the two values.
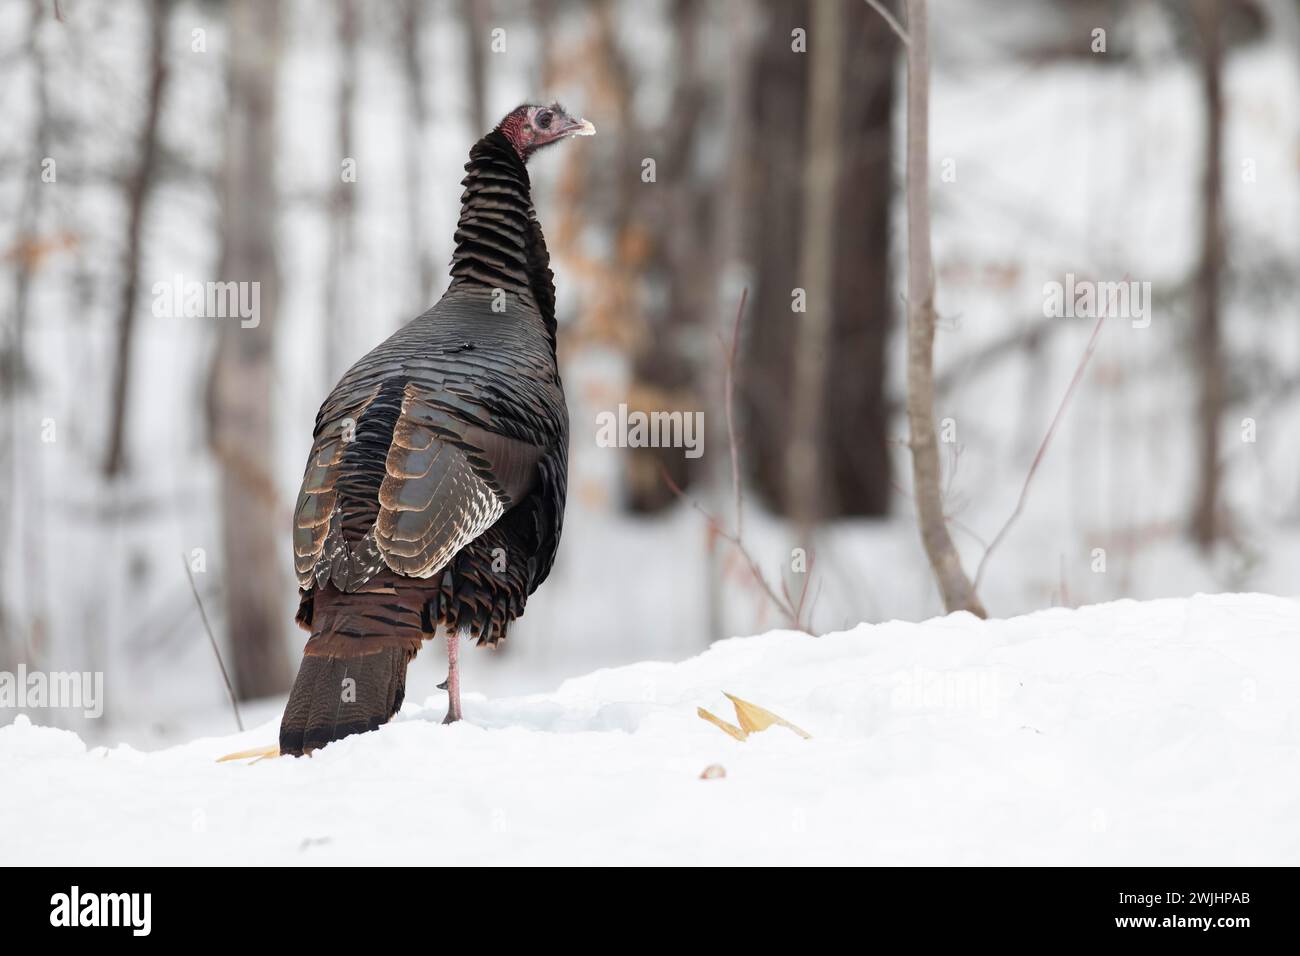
x=804, y=480
x=256, y=612
x=141, y=184
x=732, y=262
x=17, y=478
x=679, y=212
x=954, y=586
x=475, y=15
x=342, y=210
x=778, y=92
x=1209, y=358
x=417, y=115
x=854, y=461
x=858, y=476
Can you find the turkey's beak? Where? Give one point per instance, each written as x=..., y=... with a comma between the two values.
x=578, y=127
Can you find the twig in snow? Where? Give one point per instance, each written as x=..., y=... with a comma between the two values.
x=1042, y=449
x=234, y=704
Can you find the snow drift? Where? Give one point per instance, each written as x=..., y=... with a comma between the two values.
x=1165, y=732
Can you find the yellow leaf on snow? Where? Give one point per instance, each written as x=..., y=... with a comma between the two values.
x=719, y=722
x=752, y=719
x=261, y=753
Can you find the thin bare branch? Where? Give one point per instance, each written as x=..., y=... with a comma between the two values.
x=792, y=611
x=890, y=19
x=230, y=689
x=782, y=604
x=729, y=375
x=1042, y=449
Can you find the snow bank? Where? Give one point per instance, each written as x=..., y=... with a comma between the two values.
x=1165, y=732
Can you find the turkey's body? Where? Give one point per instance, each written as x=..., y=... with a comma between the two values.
x=434, y=492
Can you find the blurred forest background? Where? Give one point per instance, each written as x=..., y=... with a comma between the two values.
x=146, y=140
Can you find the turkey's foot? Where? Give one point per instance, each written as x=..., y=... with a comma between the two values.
x=452, y=684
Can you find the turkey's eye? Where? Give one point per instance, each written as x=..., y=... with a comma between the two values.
x=544, y=119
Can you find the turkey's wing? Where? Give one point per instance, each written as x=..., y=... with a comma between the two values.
x=447, y=481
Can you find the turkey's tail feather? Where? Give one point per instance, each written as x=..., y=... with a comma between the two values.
x=335, y=697
x=353, y=672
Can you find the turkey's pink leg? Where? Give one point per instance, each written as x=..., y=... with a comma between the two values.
x=453, y=677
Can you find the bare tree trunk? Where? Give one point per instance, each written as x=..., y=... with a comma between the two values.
x=342, y=248
x=805, y=480
x=1206, y=524
x=475, y=15
x=256, y=612
x=417, y=115
x=141, y=184
x=544, y=24
x=854, y=462
x=731, y=256
x=858, y=474
x=677, y=212
x=954, y=586
x=16, y=480
x=779, y=82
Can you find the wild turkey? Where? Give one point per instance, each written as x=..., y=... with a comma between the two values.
x=434, y=492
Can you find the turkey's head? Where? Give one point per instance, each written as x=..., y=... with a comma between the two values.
x=530, y=127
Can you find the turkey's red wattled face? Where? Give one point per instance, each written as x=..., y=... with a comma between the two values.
x=529, y=128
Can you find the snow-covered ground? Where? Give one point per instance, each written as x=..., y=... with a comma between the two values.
x=1164, y=732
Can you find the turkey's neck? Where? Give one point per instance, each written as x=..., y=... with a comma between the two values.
x=493, y=247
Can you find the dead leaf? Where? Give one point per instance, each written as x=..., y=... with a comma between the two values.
x=754, y=718
x=261, y=753
x=719, y=722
